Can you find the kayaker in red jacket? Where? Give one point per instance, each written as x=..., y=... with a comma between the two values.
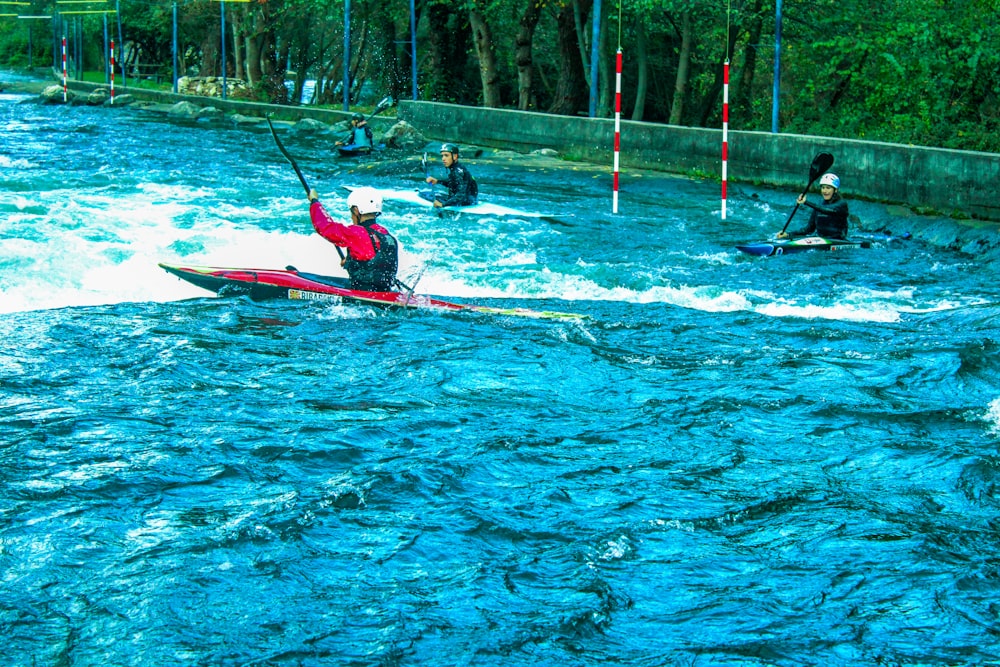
x=372, y=252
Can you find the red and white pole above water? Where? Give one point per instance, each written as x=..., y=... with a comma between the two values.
x=64, y=67
x=618, y=125
x=725, y=133
x=112, y=61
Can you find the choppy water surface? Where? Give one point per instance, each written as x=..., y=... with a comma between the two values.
x=733, y=461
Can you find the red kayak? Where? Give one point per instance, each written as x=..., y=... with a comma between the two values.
x=290, y=283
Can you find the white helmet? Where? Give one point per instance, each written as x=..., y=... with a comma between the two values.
x=368, y=200
x=831, y=180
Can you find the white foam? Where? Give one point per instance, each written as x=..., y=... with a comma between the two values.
x=992, y=416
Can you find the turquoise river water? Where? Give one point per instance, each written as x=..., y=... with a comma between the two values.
x=732, y=461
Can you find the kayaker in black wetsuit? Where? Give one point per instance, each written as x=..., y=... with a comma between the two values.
x=828, y=219
x=361, y=136
x=462, y=187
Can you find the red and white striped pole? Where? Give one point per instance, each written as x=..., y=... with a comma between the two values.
x=725, y=133
x=618, y=124
x=112, y=72
x=64, y=67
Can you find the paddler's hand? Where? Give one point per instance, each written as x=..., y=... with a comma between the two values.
x=432, y=180
x=781, y=235
x=438, y=204
x=313, y=195
x=801, y=200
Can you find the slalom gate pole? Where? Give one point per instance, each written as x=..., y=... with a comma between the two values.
x=112, y=72
x=64, y=67
x=725, y=132
x=618, y=125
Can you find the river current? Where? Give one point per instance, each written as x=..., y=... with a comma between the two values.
x=732, y=461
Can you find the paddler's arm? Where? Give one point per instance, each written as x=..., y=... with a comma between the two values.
x=838, y=207
x=805, y=231
x=353, y=237
x=325, y=226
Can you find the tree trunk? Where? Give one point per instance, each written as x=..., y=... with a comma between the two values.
x=525, y=65
x=572, y=94
x=487, y=59
x=238, y=23
x=579, y=15
x=711, y=108
x=642, y=62
x=393, y=56
x=744, y=84
x=448, y=59
x=683, y=66
x=605, y=74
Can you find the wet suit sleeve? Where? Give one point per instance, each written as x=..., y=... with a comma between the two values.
x=810, y=227
x=458, y=187
x=829, y=220
x=352, y=237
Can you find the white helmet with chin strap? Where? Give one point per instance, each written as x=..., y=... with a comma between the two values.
x=367, y=200
x=830, y=179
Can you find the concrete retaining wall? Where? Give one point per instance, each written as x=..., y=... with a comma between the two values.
x=953, y=182
x=959, y=183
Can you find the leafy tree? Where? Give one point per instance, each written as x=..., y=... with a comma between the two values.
x=909, y=71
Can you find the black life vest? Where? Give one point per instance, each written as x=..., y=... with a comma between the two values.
x=377, y=274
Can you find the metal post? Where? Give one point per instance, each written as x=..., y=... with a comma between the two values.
x=175, y=46
x=347, y=55
x=413, y=46
x=222, y=13
x=594, y=57
x=777, y=67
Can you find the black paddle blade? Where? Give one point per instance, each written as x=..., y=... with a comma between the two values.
x=820, y=165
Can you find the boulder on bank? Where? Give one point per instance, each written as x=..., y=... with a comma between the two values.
x=98, y=97
x=54, y=95
x=210, y=113
x=403, y=135
x=123, y=100
x=184, y=109
x=310, y=126
x=546, y=152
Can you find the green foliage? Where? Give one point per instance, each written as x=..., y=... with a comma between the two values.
x=925, y=73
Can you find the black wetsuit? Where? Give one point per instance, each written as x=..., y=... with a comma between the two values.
x=377, y=274
x=827, y=220
x=462, y=187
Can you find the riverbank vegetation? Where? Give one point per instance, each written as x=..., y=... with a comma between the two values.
x=922, y=73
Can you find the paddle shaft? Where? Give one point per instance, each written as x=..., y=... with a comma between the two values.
x=820, y=164
x=382, y=106
x=298, y=171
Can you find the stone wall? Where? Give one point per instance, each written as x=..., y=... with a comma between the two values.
x=952, y=182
